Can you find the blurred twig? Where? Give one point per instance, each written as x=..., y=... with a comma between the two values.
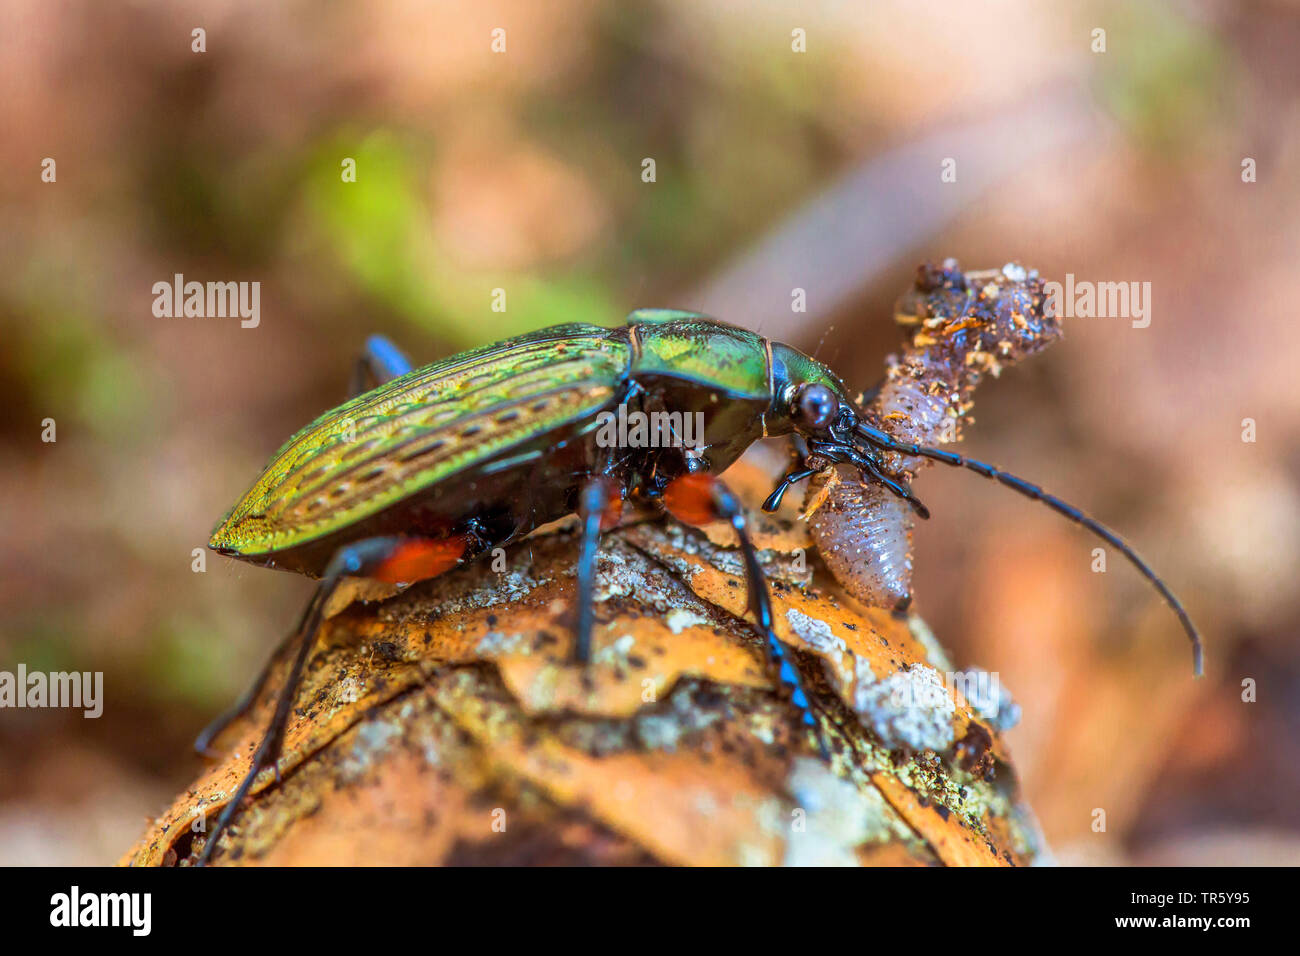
x=841, y=242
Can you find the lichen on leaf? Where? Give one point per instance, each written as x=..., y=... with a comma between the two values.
x=446, y=725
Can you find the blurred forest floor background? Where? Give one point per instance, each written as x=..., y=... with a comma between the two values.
x=522, y=171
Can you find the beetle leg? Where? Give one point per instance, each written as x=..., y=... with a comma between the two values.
x=413, y=559
x=379, y=362
x=774, y=499
x=600, y=505
x=394, y=559
x=697, y=499
x=268, y=751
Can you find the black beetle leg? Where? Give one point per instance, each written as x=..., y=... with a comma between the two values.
x=760, y=605
x=380, y=361
x=203, y=743
x=871, y=471
x=594, y=502
x=268, y=752
x=900, y=488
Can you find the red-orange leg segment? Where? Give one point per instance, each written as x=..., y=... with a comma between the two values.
x=690, y=499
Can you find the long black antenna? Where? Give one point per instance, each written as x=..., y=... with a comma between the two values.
x=886, y=442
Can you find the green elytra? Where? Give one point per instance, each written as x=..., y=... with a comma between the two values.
x=495, y=411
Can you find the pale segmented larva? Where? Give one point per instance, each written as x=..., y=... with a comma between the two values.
x=961, y=325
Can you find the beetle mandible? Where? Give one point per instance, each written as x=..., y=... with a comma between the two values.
x=436, y=466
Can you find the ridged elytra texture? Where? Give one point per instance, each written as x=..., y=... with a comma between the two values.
x=408, y=434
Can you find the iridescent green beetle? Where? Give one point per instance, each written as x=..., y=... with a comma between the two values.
x=436, y=466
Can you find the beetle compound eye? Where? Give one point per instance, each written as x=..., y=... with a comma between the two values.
x=817, y=406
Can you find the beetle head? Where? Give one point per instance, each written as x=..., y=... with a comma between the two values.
x=837, y=432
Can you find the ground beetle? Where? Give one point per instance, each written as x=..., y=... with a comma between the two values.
x=438, y=465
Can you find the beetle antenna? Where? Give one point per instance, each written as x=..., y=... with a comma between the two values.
x=885, y=442
x=829, y=330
